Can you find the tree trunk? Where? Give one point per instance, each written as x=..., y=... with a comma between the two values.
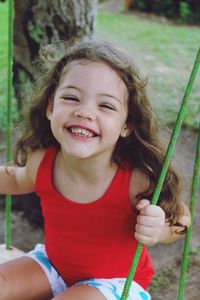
x=129, y=4
x=39, y=22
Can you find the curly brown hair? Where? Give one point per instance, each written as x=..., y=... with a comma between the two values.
x=142, y=149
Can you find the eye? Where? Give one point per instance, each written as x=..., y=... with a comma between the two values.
x=107, y=106
x=70, y=98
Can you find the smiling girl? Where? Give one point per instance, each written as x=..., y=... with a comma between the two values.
x=91, y=152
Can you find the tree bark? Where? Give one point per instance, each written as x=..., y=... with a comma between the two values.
x=39, y=22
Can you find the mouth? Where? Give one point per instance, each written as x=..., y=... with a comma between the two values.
x=82, y=132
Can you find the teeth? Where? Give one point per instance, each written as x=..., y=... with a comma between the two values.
x=82, y=132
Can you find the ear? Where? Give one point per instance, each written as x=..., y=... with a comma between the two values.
x=49, y=110
x=126, y=131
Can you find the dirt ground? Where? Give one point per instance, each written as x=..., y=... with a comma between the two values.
x=167, y=258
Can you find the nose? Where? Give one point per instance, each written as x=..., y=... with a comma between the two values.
x=85, y=113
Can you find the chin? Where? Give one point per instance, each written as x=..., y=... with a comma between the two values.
x=79, y=155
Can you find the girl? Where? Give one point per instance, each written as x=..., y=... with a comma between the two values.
x=91, y=152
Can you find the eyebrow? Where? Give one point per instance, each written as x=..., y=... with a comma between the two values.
x=102, y=94
x=70, y=87
x=111, y=96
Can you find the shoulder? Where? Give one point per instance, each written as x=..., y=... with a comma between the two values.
x=139, y=183
x=33, y=162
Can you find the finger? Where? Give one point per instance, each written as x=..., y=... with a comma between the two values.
x=153, y=211
x=145, y=230
x=142, y=204
x=150, y=221
x=145, y=240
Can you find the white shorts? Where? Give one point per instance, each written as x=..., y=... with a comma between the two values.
x=111, y=288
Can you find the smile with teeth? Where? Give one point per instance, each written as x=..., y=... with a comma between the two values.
x=82, y=132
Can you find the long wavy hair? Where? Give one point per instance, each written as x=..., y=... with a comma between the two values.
x=142, y=149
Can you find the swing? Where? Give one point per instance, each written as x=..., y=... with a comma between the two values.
x=8, y=252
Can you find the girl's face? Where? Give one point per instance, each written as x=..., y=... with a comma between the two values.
x=89, y=110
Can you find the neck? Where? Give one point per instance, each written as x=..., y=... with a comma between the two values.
x=91, y=170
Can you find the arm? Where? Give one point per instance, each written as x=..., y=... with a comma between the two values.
x=20, y=180
x=152, y=228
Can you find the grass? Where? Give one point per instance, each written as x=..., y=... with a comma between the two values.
x=165, y=53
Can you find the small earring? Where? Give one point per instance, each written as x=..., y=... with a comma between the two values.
x=123, y=134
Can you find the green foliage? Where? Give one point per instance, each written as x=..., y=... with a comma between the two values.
x=186, y=10
x=140, y=5
x=36, y=32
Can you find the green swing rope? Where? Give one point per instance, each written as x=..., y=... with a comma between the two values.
x=194, y=190
x=166, y=163
x=9, y=117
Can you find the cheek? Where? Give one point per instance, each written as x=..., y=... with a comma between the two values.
x=59, y=112
x=114, y=130
x=56, y=120
x=123, y=120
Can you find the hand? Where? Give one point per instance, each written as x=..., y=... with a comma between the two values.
x=150, y=223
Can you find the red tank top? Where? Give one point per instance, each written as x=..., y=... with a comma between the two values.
x=92, y=240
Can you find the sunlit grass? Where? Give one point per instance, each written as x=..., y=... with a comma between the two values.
x=165, y=53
